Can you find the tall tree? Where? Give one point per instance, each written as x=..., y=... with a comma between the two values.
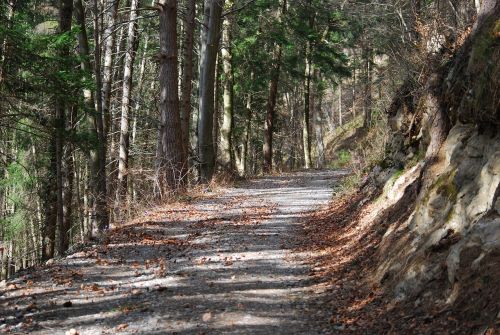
x=98, y=162
x=367, y=84
x=306, y=138
x=316, y=105
x=170, y=160
x=272, y=96
x=108, y=40
x=226, y=130
x=187, y=74
x=130, y=53
x=61, y=106
x=207, y=80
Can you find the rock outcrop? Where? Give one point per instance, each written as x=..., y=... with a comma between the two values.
x=447, y=142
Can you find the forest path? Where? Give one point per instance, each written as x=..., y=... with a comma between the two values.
x=222, y=265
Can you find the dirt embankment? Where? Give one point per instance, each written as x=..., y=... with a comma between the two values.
x=417, y=249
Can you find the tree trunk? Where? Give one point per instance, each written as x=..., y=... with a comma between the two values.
x=131, y=50
x=69, y=174
x=340, y=103
x=170, y=160
x=305, y=121
x=207, y=76
x=226, y=130
x=65, y=18
x=50, y=205
x=267, y=148
x=108, y=39
x=4, y=49
x=97, y=186
x=202, y=54
x=217, y=89
x=368, y=55
x=187, y=75
x=354, y=92
x=100, y=209
x=270, y=110
x=318, y=127
x=246, y=135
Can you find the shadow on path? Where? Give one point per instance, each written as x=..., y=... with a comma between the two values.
x=219, y=266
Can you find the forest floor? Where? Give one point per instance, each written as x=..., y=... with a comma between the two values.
x=225, y=264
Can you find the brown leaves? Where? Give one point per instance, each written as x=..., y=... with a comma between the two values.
x=121, y=327
x=228, y=261
x=63, y=276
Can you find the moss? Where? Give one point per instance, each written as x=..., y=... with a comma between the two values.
x=496, y=29
x=450, y=215
x=417, y=157
x=396, y=175
x=484, y=43
x=445, y=186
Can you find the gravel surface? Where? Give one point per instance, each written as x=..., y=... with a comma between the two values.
x=222, y=265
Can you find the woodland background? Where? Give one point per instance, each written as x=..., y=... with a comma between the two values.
x=109, y=107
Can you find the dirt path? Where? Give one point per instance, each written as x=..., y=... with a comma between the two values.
x=219, y=266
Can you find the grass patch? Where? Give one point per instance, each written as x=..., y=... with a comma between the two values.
x=347, y=184
x=343, y=159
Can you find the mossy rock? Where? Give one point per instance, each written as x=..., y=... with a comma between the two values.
x=445, y=186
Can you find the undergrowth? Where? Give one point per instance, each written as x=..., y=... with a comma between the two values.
x=358, y=150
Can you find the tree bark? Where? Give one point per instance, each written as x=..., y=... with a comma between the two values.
x=123, y=157
x=226, y=130
x=217, y=95
x=100, y=209
x=271, y=110
x=202, y=54
x=65, y=18
x=354, y=92
x=368, y=62
x=340, y=103
x=50, y=205
x=207, y=76
x=267, y=148
x=187, y=75
x=4, y=50
x=108, y=39
x=318, y=127
x=306, y=139
x=69, y=174
x=170, y=162
x=305, y=120
x=246, y=135
x=96, y=186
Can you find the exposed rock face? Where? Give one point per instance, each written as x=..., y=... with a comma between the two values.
x=449, y=243
x=459, y=210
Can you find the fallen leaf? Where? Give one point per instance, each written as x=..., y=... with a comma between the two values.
x=207, y=317
x=121, y=327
